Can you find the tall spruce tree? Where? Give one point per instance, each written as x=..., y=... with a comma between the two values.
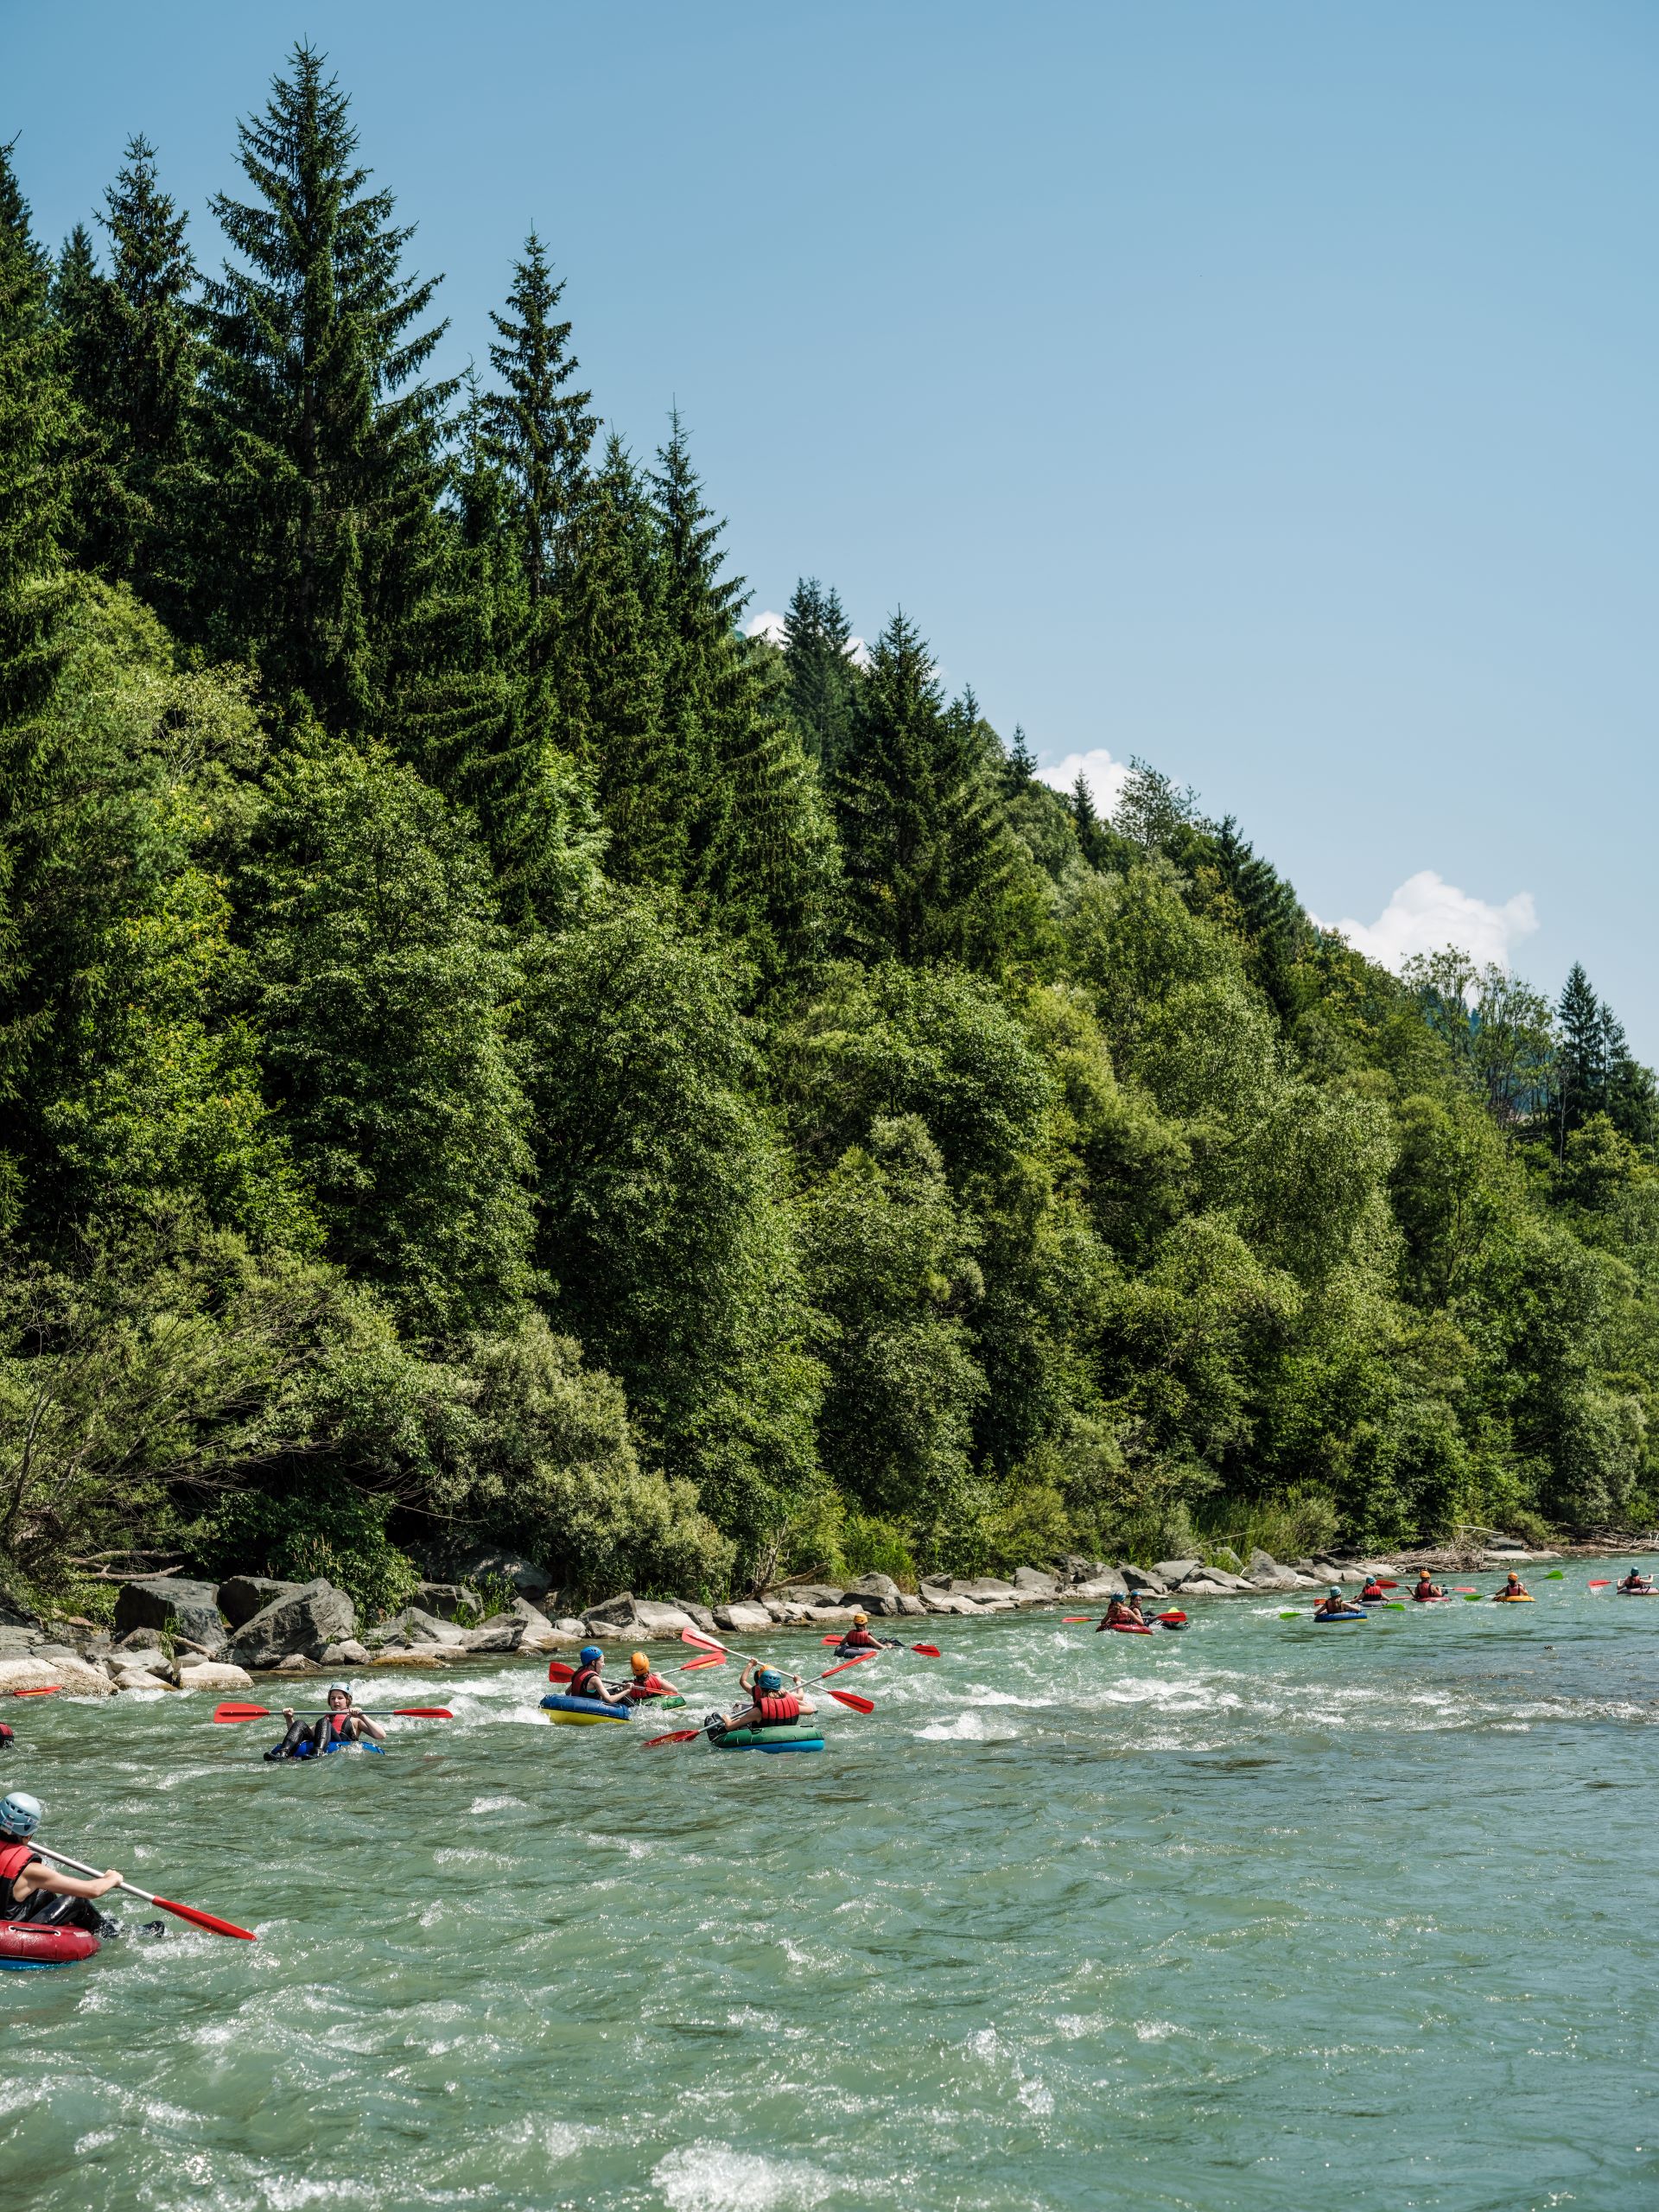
x=134, y=359
x=322, y=433
x=36, y=429
x=1582, y=1068
x=933, y=872
x=539, y=431
x=822, y=677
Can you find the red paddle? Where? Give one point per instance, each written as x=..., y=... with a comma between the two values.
x=51, y=1691
x=679, y=1736
x=228, y=1712
x=1605, y=1583
x=183, y=1911
x=841, y=1697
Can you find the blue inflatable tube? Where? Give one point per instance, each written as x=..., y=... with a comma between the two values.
x=582, y=1712
x=1337, y=1620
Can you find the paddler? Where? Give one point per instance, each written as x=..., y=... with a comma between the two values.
x=858, y=1639
x=1636, y=1581
x=1426, y=1587
x=1514, y=1587
x=340, y=1724
x=771, y=1705
x=643, y=1685
x=1336, y=1603
x=1373, y=1593
x=1123, y=1612
x=589, y=1682
x=36, y=1892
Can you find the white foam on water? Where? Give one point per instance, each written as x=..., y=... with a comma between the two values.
x=714, y=2178
x=495, y=1805
x=967, y=1728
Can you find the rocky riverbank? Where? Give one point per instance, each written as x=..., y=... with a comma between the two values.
x=170, y=1632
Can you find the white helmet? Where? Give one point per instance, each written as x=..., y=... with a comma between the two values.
x=20, y=1814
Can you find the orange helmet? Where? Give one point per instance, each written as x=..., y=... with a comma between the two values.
x=861, y=1620
x=640, y=1664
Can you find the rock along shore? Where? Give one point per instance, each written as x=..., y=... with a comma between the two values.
x=172, y=1633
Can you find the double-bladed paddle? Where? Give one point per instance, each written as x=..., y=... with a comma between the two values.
x=182, y=1911
x=232, y=1711
x=927, y=1650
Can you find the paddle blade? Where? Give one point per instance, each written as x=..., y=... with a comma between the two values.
x=1556, y=1575
x=679, y=1736
x=708, y=1642
x=224, y=1713
x=51, y=1690
x=1469, y=1597
x=829, y=1639
x=422, y=1713
x=205, y=1920
x=844, y=1665
x=928, y=1651
x=1173, y=1614
x=1383, y=1583
x=559, y=1671
x=1076, y=1620
x=858, y=1704
x=1605, y=1583
x=1290, y=1617
x=714, y=1659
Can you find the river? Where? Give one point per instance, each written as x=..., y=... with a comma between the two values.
x=1226, y=1920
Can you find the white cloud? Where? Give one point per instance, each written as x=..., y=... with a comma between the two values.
x=1427, y=913
x=1104, y=776
x=769, y=625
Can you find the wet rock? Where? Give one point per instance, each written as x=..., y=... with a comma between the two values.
x=348, y=1654
x=1104, y=1586
x=1075, y=1568
x=643, y=1617
x=1037, y=1579
x=522, y=1610
x=412, y=1625
x=33, y=1671
x=1144, y=1577
x=873, y=1584
x=944, y=1601
x=501, y=1632
x=241, y=1595
x=169, y=1602
x=151, y=1661
x=139, y=1678
x=1264, y=1573
x=15, y=1639
x=568, y=1625
x=808, y=1593
x=883, y=1603
x=702, y=1617
x=1175, y=1571
x=305, y=1623
x=910, y=1604
x=214, y=1674
x=828, y=1616
x=741, y=1615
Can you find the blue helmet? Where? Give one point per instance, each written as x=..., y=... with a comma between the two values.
x=590, y=1654
x=20, y=1814
x=769, y=1680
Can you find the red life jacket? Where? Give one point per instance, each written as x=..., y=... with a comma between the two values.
x=585, y=1682
x=14, y=1857
x=860, y=1639
x=777, y=1706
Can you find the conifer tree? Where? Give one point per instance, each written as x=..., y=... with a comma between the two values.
x=933, y=870
x=1583, y=1065
x=1022, y=762
x=322, y=433
x=36, y=426
x=539, y=432
x=822, y=677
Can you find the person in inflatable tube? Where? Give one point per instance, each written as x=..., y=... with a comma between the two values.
x=342, y=1724
x=1123, y=1612
x=858, y=1639
x=1636, y=1582
x=589, y=1682
x=644, y=1685
x=8, y=1737
x=1514, y=1587
x=1336, y=1603
x=1373, y=1593
x=35, y=1892
x=770, y=1705
x=1426, y=1587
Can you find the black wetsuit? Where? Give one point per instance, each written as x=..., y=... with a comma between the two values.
x=45, y=1908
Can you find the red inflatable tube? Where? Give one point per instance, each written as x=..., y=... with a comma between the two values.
x=22, y=1945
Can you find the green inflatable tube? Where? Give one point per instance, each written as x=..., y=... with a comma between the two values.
x=781, y=1736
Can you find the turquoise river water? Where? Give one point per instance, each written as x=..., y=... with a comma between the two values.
x=1255, y=1915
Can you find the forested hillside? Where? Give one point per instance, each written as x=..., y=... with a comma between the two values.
x=485, y=1049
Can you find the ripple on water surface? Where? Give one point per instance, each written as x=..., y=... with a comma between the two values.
x=1217, y=1921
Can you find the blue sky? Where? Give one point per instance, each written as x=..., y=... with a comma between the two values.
x=1269, y=390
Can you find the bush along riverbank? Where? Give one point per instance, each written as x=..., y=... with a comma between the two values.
x=170, y=1632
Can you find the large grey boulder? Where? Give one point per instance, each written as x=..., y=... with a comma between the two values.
x=416, y=1625
x=807, y=1593
x=168, y=1602
x=873, y=1584
x=316, y=1616
x=1264, y=1573
x=741, y=1616
x=910, y=1604
x=493, y=1564
x=1102, y=1585
x=1075, y=1568
x=15, y=1639
x=644, y=1617
x=501, y=1632
x=1175, y=1571
x=885, y=1603
x=1040, y=1583
x=1145, y=1578
x=443, y=1600
x=243, y=1595
x=36, y=1670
